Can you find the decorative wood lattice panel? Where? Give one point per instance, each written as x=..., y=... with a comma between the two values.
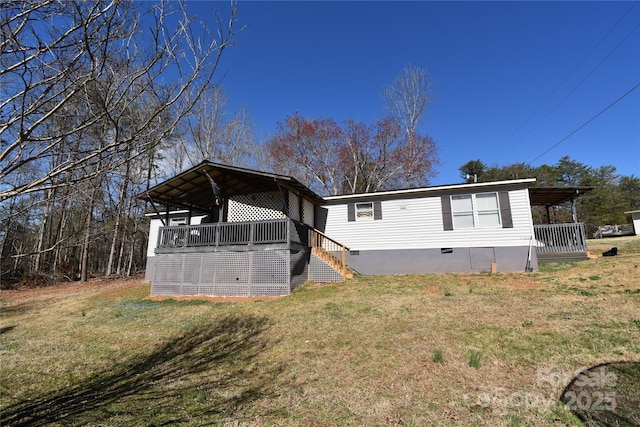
x=320, y=271
x=308, y=213
x=223, y=274
x=256, y=207
x=294, y=206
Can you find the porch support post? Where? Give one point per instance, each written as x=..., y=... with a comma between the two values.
x=153, y=205
x=284, y=199
x=548, y=209
x=573, y=210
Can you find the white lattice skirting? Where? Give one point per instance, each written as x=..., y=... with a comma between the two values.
x=223, y=273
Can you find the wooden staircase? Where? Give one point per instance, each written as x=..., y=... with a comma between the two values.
x=330, y=251
x=553, y=257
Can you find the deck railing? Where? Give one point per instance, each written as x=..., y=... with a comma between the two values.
x=228, y=233
x=329, y=250
x=279, y=231
x=560, y=238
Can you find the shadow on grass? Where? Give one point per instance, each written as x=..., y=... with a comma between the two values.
x=12, y=309
x=6, y=329
x=606, y=395
x=202, y=375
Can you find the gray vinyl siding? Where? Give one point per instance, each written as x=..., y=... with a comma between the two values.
x=417, y=222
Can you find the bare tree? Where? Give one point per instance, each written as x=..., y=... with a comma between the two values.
x=102, y=58
x=311, y=150
x=391, y=154
x=352, y=158
x=407, y=100
x=212, y=132
x=409, y=96
x=90, y=91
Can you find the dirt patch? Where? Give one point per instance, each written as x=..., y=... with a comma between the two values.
x=65, y=288
x=432, y=289
x=115, y=285
x=212, y=299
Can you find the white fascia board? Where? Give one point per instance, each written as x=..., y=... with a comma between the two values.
x=154, y=214
x=474, y=185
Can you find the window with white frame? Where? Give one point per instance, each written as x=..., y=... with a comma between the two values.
x=182, y=220
x=462, y=211
x=475, y=211
x=364, y=211
x=488, y=210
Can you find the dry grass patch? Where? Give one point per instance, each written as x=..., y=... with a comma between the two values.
x=360, y=353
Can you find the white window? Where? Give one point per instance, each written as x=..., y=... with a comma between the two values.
x=488, y=210
x=178, y=221
x=364, y=211
x=462, y=211
x=475, y=211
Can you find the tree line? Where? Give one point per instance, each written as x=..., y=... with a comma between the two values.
x=611, y=196
x=95, y=97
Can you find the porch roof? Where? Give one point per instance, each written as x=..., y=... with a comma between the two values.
x=191, y=189
x=553, y=196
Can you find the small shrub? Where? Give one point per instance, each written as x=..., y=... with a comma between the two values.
x=333, y=310
x=438, y=356
x=583, y=292
x=474, y=359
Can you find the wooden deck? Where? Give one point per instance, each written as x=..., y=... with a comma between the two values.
x=280, y=234
x=560, y=243
x=232, y=236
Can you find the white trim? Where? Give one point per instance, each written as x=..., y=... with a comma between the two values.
x=162, y=214
x=430, y=189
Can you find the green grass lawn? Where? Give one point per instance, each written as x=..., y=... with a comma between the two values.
x=467, y=349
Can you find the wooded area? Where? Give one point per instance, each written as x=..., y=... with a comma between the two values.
x=612, y=195
x=95, y=95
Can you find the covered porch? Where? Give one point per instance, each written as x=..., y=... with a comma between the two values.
x=559, y=242
x=258, y=238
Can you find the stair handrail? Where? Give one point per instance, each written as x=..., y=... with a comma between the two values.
x=326, y=246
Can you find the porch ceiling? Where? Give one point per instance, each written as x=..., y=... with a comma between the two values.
x=553, y=196
x=191, y=189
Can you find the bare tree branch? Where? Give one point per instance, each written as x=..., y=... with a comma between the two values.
x=60, y=55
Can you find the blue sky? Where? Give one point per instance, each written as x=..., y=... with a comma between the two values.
x=512, y=79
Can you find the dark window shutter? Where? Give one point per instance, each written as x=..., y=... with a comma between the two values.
x=447, y=220
x=377, y=210
x=505, y=209
x=351, y=212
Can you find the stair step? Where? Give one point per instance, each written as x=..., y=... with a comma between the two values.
x=552, y=257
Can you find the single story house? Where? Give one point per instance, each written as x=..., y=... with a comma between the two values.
x=223, y=230
x=454, y=228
